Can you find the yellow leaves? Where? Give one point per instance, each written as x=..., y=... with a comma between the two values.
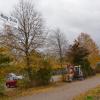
x=94, y=59
x=86, y=41
x=3, y=50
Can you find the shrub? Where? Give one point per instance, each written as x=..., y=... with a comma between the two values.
x=2, y=88
x=97, y=69
x=25, y=82
x=43, y=75
x=87, y=69
x=40, y=76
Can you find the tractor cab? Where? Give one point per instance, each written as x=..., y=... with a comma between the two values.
x=78, y=73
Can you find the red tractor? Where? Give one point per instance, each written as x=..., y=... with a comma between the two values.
x=74, y=73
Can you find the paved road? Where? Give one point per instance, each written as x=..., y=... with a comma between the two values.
x=65, y=92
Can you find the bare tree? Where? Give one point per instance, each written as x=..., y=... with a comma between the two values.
x=30, y=34
x=57, y=44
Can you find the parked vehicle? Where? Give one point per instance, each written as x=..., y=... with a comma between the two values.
x=12, y=76
x=74, y=73
x=12, y=80
x=11, y=83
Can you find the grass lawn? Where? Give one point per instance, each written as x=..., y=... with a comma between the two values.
x=93, y=94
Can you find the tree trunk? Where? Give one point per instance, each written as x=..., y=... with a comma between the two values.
x=29, y=68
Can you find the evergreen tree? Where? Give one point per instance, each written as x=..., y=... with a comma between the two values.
x=85, y=40
x=78, y=55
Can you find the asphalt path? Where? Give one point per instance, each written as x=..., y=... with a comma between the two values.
x=66, y=91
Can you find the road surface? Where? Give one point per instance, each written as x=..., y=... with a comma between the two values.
x=65, y=92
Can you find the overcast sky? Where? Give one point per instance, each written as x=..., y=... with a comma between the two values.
x=71, y=16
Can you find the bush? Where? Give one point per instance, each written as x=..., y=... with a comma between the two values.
x=40, y=76
x=87, y=69
x=43, y=75
x=97, y=69
x=23, y=84
x=2, y=88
